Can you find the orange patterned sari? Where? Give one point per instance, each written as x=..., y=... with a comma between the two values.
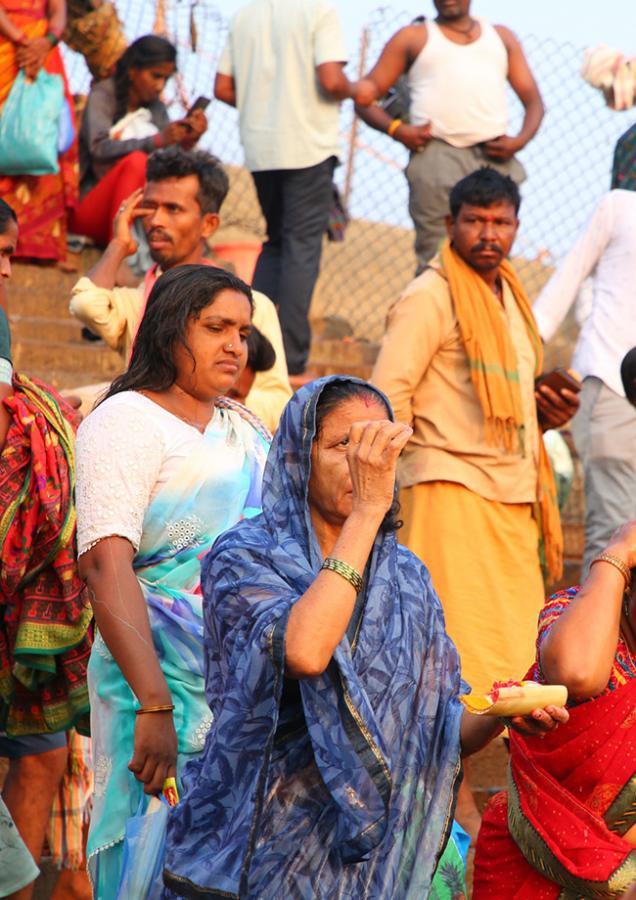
x=41, y=202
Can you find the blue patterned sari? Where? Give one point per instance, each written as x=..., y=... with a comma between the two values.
x=216, y=486
x=339, y=786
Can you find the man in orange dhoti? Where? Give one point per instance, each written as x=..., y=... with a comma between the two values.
x=458, y=362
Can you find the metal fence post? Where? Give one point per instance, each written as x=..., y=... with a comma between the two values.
x=353, y=131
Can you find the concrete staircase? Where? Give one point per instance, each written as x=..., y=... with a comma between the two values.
x=47, y=341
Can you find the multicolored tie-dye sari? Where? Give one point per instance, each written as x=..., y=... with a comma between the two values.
x=216, y=486
x=335, y=786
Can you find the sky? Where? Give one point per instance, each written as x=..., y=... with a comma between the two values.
x=580, y=22
x=568, y=162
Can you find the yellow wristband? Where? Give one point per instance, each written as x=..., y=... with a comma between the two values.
x=393, y=127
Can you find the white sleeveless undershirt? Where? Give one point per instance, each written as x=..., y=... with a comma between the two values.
x=460, y=88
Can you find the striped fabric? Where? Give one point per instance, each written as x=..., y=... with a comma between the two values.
x=70, y=813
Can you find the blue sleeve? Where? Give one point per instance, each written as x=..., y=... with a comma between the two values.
x=5, y=336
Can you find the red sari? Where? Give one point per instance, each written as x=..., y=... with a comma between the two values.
x=41, y=202
x=558, y=831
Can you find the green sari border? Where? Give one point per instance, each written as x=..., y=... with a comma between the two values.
x=621, y=815
x=540, y=856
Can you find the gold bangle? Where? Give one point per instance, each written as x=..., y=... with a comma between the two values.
x=617, y=563
x=393, y=127
x=153, y=709
x=345, y=571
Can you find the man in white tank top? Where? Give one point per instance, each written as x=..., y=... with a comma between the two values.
x=456, y=68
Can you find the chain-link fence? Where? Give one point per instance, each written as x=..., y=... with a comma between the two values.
x=568, y=162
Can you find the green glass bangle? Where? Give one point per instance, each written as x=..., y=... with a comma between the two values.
x=345, y=571
x=53, y=39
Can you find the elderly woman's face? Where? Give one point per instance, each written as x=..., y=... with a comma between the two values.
x=218, y=343
x=330, y=482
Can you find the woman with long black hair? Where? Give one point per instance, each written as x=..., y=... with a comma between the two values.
x=125, y=120
x=165, y=464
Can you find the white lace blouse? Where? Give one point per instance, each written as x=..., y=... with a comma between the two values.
x=127, y=449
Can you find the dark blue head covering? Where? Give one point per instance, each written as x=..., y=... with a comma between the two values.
x=369, y=776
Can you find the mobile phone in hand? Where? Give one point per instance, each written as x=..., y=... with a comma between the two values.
x=201, y=103
x=558, y=380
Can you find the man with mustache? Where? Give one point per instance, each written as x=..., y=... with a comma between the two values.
x=178, y=210
x=456, y=69
x=458, y=362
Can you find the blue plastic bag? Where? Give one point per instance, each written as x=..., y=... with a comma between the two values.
x=29, y=125
x=66, y=129
x=143, y=853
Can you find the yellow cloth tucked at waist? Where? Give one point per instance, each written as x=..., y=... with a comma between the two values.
x=483, y=557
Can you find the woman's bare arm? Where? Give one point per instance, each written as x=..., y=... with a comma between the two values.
x=122, y=618
x=319, y=619
x=580, y=647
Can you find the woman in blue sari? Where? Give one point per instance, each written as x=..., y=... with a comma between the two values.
x=332, y=763
x=164, y=464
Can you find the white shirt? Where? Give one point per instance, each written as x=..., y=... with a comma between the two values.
x=272, y=50
x=460, y=88
x=127, y=449
x=607, y=251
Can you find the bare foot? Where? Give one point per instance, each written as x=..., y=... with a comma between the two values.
x=68, y=265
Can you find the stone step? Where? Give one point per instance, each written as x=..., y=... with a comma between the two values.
x=45, y=290
x=345, y=351
x=47, y=328
x=62, y=380
x=91, y=363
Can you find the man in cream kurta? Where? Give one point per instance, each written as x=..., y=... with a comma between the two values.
x=467, y=501
x=470, y=502
x=179, y=210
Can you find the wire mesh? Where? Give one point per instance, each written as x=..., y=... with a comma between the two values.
x=568, y=162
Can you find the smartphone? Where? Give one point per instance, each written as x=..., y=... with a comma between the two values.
x=201, y=103
x=558, y=380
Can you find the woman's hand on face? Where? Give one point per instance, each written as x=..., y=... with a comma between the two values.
x=155, y=752
x=623, y=544
x=540, y=721
x=372, y=454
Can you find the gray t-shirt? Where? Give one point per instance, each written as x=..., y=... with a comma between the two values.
x=99, y=152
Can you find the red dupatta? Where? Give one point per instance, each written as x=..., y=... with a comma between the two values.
x=557, y=832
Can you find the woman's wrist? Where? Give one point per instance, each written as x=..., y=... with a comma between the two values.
x=160, y=696
x=620, y=551
x=616, y=563
x=374, y=512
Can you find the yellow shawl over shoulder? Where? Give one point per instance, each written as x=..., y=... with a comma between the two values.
x=493, y=368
